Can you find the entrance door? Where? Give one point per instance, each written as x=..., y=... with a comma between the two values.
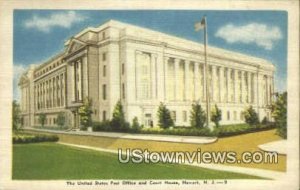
x=148, y=122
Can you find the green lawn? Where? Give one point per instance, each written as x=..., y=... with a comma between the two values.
x=55, y=161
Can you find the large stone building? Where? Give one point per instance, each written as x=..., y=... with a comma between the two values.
x=142, y=67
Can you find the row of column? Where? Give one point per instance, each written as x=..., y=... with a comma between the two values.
x=50, y=93
x=185, y=81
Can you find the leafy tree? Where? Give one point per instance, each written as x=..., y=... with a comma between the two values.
x=216, y=116
x=118, y=122
x=16, y=115
x=279, y=113
x=61, y=119
x=85, y=112
x=251, y=116
x=42, y=119
x=198, y=117
x=265, y=121
x=135, y=124
x=164, y=117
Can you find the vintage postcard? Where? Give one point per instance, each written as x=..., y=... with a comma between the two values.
x=149, y=95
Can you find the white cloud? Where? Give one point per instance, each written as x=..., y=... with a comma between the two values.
x=61, y=19
x=253, y=33
x=18, y=71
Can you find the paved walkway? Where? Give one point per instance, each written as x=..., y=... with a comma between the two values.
x=250, y=171
x=151, y=137
x=277, y=146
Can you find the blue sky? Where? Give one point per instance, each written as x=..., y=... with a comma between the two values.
x=40, y=34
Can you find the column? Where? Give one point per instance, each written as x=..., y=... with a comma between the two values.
x=166, y=61
x=153, y=77
x=243, y=86
x=186, y=83
x=236, y=92
x=249, y=87
x=254, y=90
x=176, y=71
x=196, y=81
x=214, y=79
x=228, y=85
x=221, y=86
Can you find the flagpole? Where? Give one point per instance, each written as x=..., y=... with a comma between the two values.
x=206, y=74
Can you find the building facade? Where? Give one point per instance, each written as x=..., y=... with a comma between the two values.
x=142, y=67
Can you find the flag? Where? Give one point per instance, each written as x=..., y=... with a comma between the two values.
x=200, y=25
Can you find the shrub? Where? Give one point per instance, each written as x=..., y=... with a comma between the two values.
x=21, y=138
x=16, y=118
x=197, y=117
x=135, y=127
x=216, y=116
x=85, y=112
x=42, y=119
x=178, y=131
x=61, y=119
x=102, y=126
x=118, y=122
x=265, y=121
x=164, y=117
x=251, y=116
x=237, y=129
x=279, y=112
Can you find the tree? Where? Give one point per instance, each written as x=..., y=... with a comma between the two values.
x=279, y=110
x=85, y=112
x=251, y=116
x=135, y=124
x=61, y=119
x=197, y=117
x=216, y=116
x=16, y=115
x=164, y=117
x=118, y=122
x=42, y=119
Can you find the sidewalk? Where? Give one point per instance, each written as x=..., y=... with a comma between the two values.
x=151, y=137
x=277, y=146
x=250, y=171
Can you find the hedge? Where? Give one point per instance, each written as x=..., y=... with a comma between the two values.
x=231, y=130
x=22, y=138
x=222, y=131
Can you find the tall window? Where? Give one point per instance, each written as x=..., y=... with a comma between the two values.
x=123, y=68
x=104, y=116
x=143, y=75
x=104, y=70
x=77, y=80
x=104, y=56
x=173, y=115
x=104, y=91
x=123, y=90
x=184, y=116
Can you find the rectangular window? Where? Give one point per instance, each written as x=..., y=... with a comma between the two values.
x=123, y=90
x=173, y=115
x=123, y=69
x=184, y=116
x=104, y=92
x=103, y=56
x=104, y=70
x=103, y=35
x=104, y=116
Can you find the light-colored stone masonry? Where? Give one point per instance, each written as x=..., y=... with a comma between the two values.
x=142, y=68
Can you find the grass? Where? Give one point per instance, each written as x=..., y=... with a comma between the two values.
x=55, y=161
x=239, y=144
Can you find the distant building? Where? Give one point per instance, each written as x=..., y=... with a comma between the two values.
x=142, y=67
